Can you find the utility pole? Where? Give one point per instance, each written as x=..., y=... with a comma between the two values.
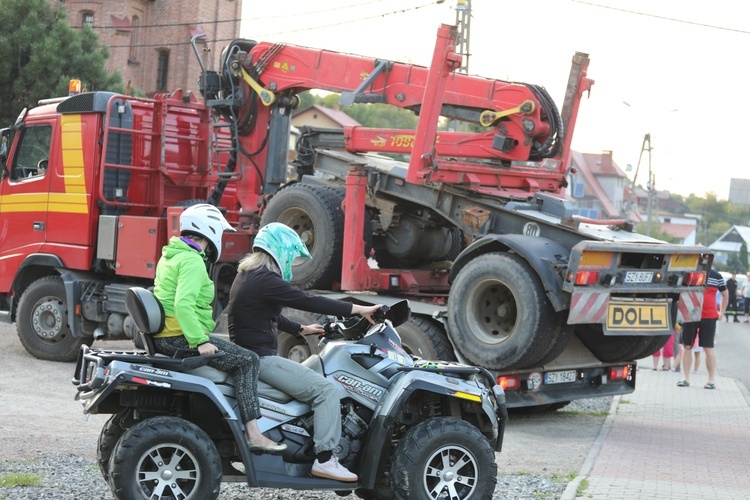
x=632, y=205
x=651, y=186
x=463, y=22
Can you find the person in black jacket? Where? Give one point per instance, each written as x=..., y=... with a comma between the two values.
x=259, y=292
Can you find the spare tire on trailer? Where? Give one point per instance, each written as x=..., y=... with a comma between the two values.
x=499, y=316
x=314, y=212
x=609, y=348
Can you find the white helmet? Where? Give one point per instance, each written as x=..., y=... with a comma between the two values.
x=208, y=222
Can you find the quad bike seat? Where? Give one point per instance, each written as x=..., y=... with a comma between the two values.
x=148, y=316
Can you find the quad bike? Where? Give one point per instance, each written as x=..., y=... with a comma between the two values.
x=411, y=429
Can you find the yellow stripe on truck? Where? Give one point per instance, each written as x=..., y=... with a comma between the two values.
x=73, y=167
x=75, y=198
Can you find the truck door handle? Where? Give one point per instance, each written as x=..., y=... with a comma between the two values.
x=38, y=226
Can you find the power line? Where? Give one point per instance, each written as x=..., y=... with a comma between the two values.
x=400, y=11
x=166, y=25
x=655, y=16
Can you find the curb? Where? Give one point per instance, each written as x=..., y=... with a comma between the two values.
x=571, y=490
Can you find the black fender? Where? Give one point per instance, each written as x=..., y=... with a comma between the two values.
x=33, y=267
x=207, y=389
x=381, y=430
x=548, y=258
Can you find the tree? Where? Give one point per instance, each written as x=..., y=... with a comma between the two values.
x=40, y=53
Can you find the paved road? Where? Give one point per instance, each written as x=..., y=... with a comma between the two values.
x=733, y=352
x=669, y=442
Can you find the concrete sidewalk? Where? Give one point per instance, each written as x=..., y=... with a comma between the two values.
x=669, y=442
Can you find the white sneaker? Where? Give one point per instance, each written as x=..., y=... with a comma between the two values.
x=332, y=469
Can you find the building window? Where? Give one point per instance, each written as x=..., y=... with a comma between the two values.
x=162, y=71
x=87, y=19
x=135, y=40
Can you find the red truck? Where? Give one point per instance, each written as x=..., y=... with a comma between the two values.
x=473, y=227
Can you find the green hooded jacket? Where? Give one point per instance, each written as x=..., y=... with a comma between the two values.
x=185, y=291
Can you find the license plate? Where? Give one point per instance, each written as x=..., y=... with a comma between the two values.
x=560, y=377
x=639, y=276
x=626, y=316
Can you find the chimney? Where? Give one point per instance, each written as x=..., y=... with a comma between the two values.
x=606, y=160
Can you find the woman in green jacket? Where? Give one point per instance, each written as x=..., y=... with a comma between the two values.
x=186, y=292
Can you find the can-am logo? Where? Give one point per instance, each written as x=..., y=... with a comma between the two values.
x=356, y=386
x=153, y=371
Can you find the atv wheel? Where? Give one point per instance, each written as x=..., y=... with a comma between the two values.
x=498, y=314
x=165, y=458
x=111, y=433
x=424, y=338
x=612, y=348
x=314, y=212
x=42, y=321
x=443, y=458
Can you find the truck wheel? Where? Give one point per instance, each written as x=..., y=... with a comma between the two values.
x=609, y=348
x=314, y=212
x=653, y=346
x=298, y=348
x=42, y=321
x=423, y=338
x=443, y=457
x=498, y=314
x=165, y=457
x=111, y=433
x=560, y=340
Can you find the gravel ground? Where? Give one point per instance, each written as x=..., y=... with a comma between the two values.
x=43, y=436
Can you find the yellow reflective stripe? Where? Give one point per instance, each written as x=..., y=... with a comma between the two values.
x=72, y=158
x=466, y=395
x=71, y=203
x=74, y=198
x=68, y=209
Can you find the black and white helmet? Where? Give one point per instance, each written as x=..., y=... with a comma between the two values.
x=208, y=222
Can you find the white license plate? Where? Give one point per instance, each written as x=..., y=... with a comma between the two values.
x=560, y=377
x=639, y=277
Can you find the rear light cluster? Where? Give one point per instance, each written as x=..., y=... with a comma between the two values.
x=619, y=372
x=509, y=382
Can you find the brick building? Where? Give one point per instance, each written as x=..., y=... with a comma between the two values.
x=149, y=40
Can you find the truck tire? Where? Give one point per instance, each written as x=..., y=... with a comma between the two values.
x=610, y=348
x=443, y=457
x=42, y=321
x=314, y=212
x=560, y=340
x=297, y=347
x=653, y=346
x=422, y=337
x=498, y=314
x=190, y=466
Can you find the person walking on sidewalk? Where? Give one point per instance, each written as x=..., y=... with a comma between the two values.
x=732, y=307
x=705, y=329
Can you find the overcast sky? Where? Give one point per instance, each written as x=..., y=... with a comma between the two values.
x=681, y=65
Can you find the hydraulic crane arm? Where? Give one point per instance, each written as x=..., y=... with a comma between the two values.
x=509, y=122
